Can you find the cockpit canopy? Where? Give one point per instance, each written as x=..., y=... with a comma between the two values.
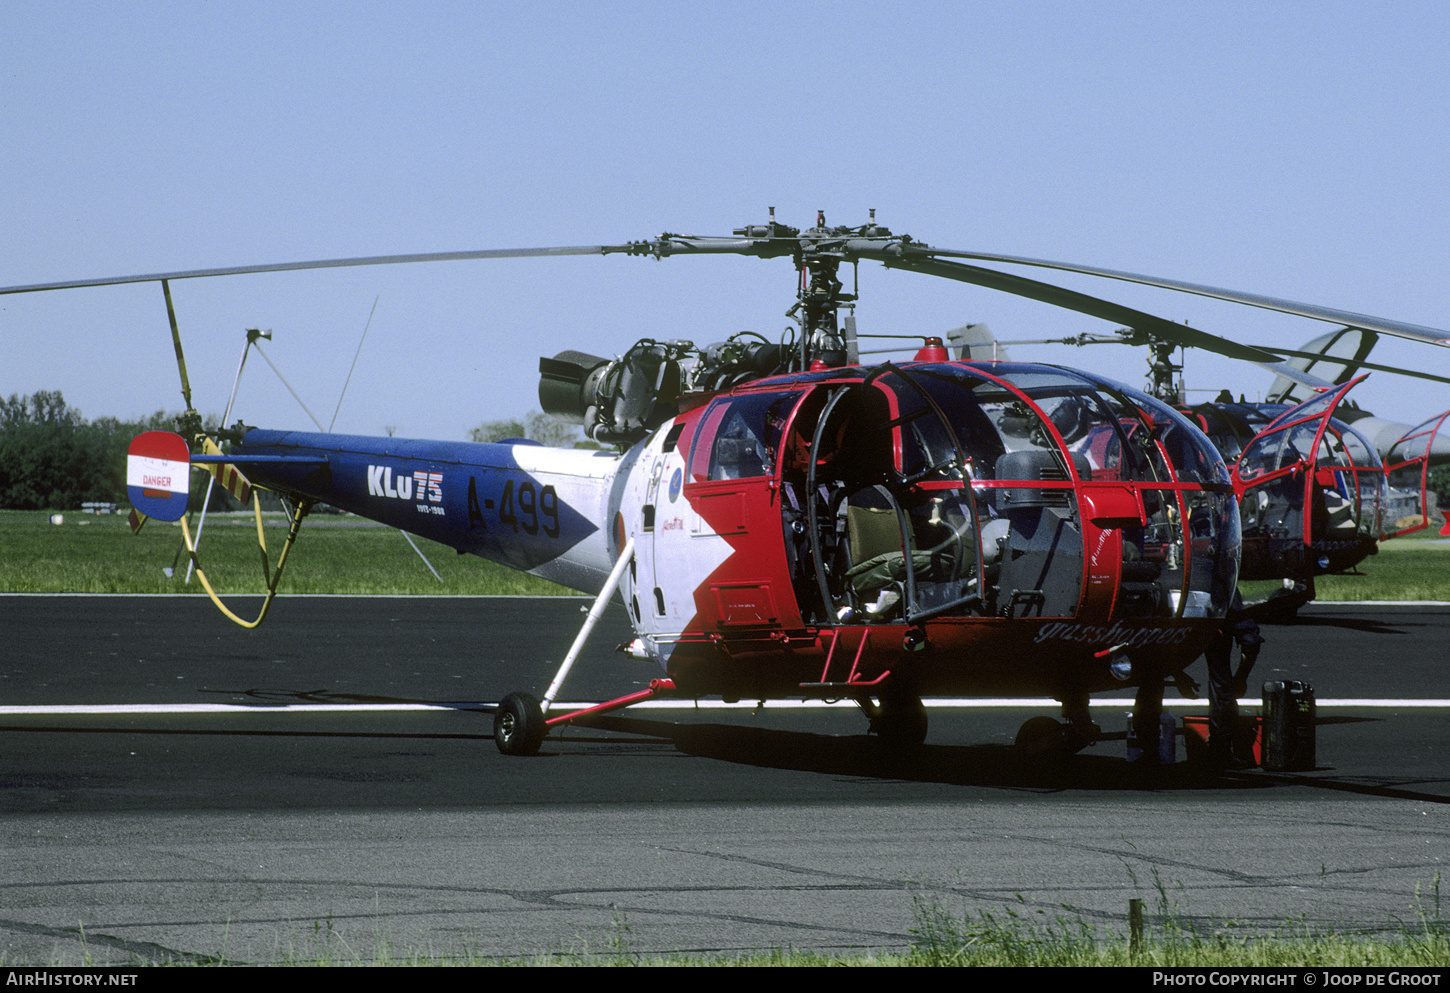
x=963, y=488
x=933, y=421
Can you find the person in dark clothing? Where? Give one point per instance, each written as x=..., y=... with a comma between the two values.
x=1226, y=685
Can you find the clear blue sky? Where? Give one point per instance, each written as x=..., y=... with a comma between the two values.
x=1292, y=149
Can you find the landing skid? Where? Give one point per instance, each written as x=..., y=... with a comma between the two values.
x=520, y=726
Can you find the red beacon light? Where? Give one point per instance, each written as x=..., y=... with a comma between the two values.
x=933, y=351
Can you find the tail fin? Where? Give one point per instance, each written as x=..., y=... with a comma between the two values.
x=1336, y=357
x=976, y=343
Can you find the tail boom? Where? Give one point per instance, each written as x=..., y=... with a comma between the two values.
x=522, y=505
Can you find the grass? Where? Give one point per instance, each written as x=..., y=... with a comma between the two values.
x=1015, y=935
x=1020, y=936
x=334, y=554
x=1414, y=567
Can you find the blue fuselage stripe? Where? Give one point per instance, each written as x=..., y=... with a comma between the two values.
x=476, y=498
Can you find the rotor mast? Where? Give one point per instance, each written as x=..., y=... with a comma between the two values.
x=819, y=296
x=1165, y=377
x=817, y=253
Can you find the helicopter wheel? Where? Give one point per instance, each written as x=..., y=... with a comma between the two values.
x=900, y=722
x=518, y=725
x=1041, y=736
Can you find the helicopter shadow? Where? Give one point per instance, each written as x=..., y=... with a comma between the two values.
x=863, y=756
x=1347, y=623
x=995, y=766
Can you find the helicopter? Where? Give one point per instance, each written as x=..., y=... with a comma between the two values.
x=780, y=519
x=1362, y=478
x=1369, y=484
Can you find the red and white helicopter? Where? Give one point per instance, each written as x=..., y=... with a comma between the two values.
x=783, y=520
x=1361, y=478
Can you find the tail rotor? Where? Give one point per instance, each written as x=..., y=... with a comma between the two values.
x=153, y=458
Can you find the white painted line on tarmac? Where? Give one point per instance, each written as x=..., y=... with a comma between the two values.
x=1031, y=703
x=137, y=709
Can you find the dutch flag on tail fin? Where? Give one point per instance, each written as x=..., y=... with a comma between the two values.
x=158, y=475
x=158, y=481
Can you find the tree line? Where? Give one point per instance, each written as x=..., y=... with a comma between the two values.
x=52, y=458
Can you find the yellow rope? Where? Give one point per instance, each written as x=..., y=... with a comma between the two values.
x=273, y=580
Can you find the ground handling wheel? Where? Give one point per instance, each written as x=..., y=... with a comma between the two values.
x=518, y=725
x=1039, y=736
x=1048, y=738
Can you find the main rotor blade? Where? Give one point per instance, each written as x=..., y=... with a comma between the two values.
x=1414, y=332
x=1072, y=300
x=890, y=251
x=491, y=253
